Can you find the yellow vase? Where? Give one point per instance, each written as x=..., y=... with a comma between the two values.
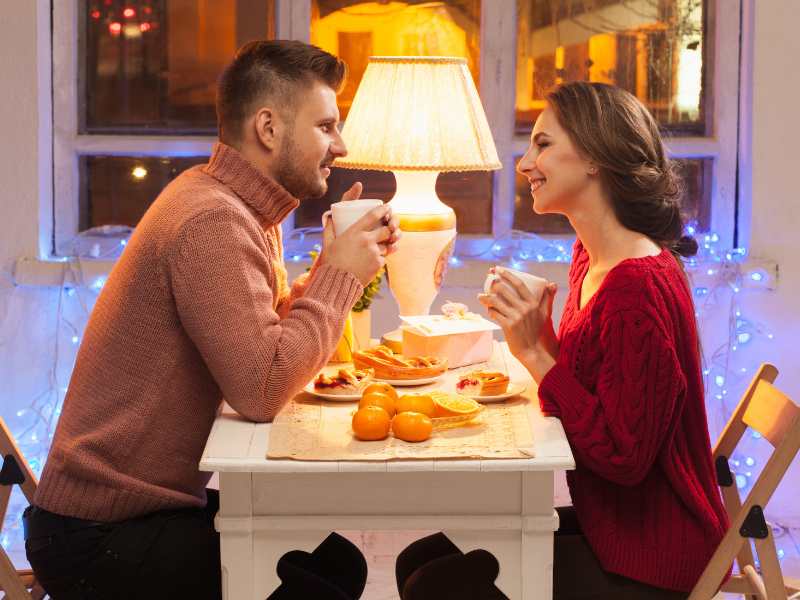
x=343, y=352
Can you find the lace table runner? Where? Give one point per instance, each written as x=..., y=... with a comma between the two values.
x=309, y=428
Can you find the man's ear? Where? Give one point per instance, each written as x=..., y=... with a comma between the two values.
x=267, y=127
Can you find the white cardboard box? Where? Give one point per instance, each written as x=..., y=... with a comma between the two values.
x=461, y=342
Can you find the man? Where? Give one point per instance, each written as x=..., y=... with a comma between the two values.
x=196, y=310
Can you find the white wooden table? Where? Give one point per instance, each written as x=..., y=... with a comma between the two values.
x=269, y=507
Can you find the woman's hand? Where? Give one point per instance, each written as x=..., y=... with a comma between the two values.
x=526, y=320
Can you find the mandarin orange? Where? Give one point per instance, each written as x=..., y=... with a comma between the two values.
x=421, y=403
x=378, y=399
x=371, y=423
x=412, y=426
x=383, y=388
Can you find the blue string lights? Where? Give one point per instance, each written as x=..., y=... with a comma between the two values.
x=720, y=279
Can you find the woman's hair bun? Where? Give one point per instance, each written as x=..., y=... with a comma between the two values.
x=686, y=246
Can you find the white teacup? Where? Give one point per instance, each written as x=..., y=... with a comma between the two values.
x=532, y=282
x=347, y=212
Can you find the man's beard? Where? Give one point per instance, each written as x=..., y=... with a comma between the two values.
x=300, y=180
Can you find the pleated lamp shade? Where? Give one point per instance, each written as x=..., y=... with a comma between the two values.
x=418, y=113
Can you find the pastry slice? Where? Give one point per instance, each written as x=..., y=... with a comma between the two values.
x=482, y=383
x=346, y=382
x=388, y=365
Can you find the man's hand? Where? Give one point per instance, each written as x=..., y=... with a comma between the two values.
x=362, y=249
x=354, y=193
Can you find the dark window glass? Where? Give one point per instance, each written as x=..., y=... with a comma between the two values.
x=117, y=190
x=151, y=66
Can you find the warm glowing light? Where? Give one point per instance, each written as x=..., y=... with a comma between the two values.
x=139, y=172
x=131, y=30
x=144, y=27
x=95, y=14
x=690, y=68
x=129, y=13
x=115, y=28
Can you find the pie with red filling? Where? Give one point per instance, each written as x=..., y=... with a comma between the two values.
x=345, y=382
x=482, y=383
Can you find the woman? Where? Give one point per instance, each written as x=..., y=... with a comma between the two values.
x=624, y=373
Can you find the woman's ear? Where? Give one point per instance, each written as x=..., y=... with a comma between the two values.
x=592, y=170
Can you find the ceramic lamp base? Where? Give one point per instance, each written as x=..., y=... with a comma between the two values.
x=416, y=270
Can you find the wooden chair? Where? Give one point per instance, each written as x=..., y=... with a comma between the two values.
x=15, y=470
x=768, y=411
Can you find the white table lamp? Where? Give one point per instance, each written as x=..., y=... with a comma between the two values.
x=418, y=116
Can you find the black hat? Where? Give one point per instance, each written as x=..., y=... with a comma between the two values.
x=434, y=567
x=335, y=570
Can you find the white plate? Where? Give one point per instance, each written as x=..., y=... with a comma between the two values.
x=335, y=397
x=404, y=382
x=514, y=389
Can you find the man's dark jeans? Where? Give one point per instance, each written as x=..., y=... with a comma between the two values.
x=167, y=554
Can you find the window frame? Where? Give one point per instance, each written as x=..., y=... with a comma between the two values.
x=728, y=48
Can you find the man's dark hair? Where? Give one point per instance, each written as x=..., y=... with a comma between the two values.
x=275, y=70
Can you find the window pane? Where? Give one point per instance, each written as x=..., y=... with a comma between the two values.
x=117, y=190
x=469, y=194
x=356, y=30
x=151, y=66
x=695, y=174
x=653, y=49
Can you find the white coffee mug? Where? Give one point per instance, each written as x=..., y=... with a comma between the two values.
x=347, y=212
x=532, y=282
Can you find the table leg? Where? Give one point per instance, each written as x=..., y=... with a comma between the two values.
x=234, y=523
x=539, y=521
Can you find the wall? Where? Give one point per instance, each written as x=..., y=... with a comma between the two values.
x=776, y=200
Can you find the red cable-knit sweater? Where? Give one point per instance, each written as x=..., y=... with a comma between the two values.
x=628, y=389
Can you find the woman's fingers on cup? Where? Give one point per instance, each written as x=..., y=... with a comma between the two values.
x=508, y=293
x=550, y=296
x=496, y=302
x=516, y=283
x=494, y=314
x=354, y=193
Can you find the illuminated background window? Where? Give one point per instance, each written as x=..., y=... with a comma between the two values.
x=653, y=49
x=354, y=31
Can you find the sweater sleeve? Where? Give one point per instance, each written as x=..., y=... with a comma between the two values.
x=618, y=429
x=219, y=275
x=298, y=289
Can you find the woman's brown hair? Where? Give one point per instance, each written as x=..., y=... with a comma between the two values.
x=614, y=130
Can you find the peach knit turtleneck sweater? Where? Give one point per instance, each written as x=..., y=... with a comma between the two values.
x=197, y=309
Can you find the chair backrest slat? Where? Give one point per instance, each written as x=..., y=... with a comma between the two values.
x=771, y=413
x=9, y=447
x=15, y=471
x=735, y=427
